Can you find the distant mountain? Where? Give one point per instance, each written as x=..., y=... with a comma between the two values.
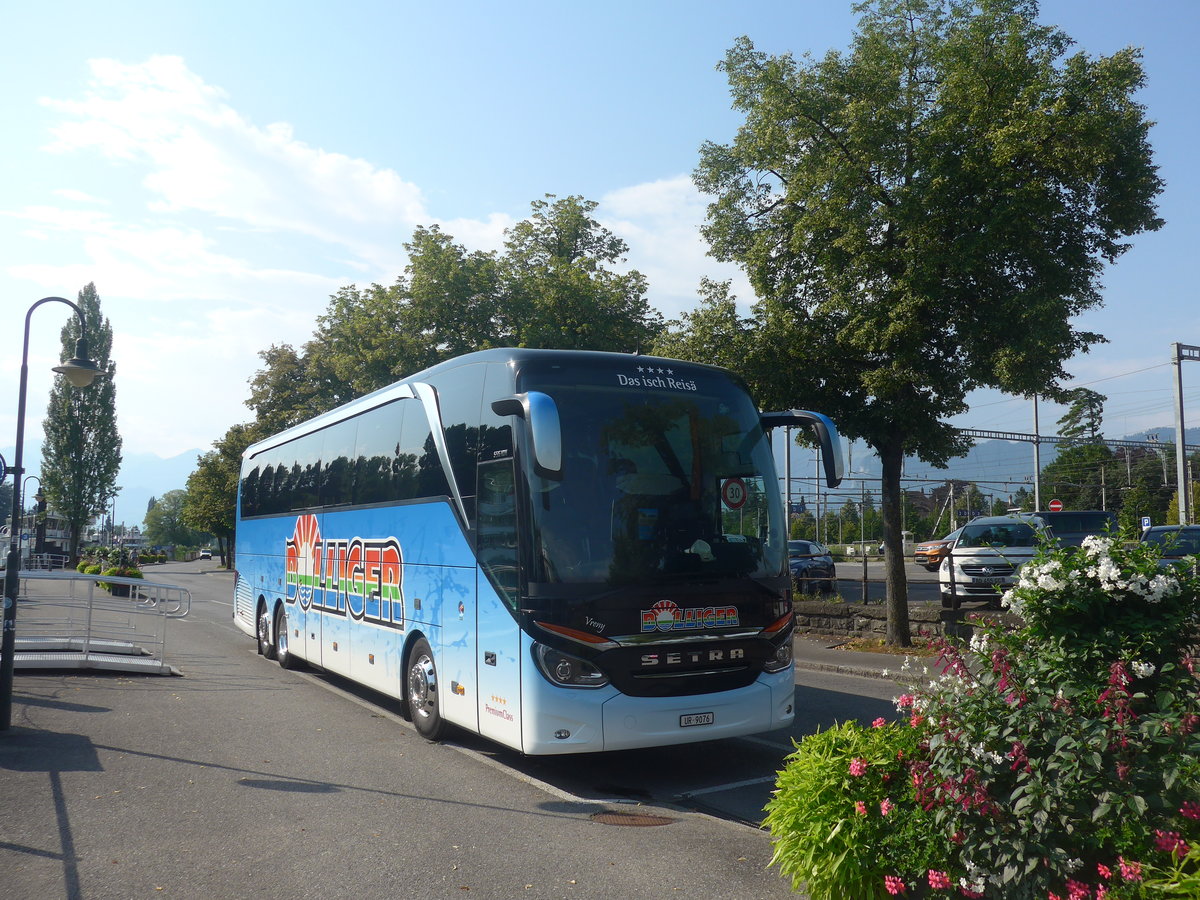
x=142, y=476
x=998, y=467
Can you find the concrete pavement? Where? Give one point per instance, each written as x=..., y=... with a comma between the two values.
x=130, y=786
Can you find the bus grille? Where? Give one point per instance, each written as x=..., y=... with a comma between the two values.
x=675, y=670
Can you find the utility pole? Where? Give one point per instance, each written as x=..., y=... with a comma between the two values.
x=1180, y=352
x=1037, y=459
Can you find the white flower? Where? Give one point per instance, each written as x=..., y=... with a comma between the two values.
x=1143, y=669
x=976, y=886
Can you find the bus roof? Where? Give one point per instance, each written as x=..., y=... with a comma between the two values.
x=506, y=355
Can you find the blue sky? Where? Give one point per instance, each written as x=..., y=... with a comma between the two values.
x=219, y=169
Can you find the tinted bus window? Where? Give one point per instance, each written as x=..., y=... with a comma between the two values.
x=337, y=452
x=381, y=471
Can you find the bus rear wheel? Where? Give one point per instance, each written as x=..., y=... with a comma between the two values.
x=421, y=689
x=282, y=655
x=265, y=645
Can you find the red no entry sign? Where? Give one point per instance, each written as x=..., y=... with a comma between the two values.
x=1055, y=505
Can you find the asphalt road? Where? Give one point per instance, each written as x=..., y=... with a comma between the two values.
x=240, y=778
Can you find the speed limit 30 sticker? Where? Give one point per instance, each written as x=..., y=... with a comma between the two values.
x=733, y=493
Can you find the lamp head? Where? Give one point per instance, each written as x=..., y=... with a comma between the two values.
x=79, y=370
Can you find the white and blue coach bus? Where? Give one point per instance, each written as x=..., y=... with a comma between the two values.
x=563, y=551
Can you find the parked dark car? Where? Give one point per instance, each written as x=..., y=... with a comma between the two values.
x=1179, y=543
x=931, y=553
x=812, y=567
x=1070, y=526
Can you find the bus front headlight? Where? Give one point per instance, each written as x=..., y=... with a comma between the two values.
x=781, y=658
x=566, y=670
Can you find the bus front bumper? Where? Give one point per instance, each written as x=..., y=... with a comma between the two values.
x=614, y=721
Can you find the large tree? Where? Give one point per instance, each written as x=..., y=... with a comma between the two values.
x=560, y=290
x=553, y=286
x=924, y=215
x=81, y=453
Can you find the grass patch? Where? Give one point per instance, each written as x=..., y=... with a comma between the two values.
x=921, y=646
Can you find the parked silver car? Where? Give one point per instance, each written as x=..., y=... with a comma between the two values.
x=985, y=558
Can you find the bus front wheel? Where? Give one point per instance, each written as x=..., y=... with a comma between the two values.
x=422, y=692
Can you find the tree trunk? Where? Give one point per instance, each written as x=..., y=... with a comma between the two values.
x=892, y=457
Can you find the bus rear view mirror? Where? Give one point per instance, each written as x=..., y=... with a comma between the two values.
x=545, y=432
x=823, y=430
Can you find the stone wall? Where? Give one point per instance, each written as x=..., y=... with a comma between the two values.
x=869, y=620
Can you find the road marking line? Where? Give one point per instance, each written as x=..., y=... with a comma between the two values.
x=729, y=787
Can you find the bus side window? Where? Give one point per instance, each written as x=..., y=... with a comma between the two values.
x=379, y=465
x=337, y=452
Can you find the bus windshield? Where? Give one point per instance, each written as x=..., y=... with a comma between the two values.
x=656, y=485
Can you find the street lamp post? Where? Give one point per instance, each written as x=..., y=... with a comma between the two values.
x=80, y=371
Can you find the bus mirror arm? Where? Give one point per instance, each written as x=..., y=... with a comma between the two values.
x=825, y=432
x=509, y=406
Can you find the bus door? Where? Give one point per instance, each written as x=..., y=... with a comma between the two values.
x=499, y=652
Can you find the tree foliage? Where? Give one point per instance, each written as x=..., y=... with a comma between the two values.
x=923, y=215
x=211, y=502
x=1084, y=415
x=165, y=523
x=555, y=285
x=81, y=453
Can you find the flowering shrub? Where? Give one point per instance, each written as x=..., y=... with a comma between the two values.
x=119, y=572
x=1058, y=760
x=844, y=817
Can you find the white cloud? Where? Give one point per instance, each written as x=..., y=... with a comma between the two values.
x=203, y=156
x=78, y=196
x=661, y=223
x=238, y=234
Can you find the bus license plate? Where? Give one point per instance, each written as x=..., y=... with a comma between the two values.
x=696, y=719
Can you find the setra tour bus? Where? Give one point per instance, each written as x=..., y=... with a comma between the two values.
x=563, y=551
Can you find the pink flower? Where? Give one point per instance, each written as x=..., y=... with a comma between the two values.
x=1077, y=890
x=885, y=807
x=916, y=720
x=1190, y=810
x=1130, y=871
x=858, y=766
x=1170, y=842
x=879, y=723
x=938, y=880
x=904, y=701
x=893, y=885
x=860, y=807
x=1104, y=871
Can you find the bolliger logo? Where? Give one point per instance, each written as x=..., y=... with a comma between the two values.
x=358, y=576
x=665, y=615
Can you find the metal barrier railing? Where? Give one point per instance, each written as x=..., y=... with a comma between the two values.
x=71, y=620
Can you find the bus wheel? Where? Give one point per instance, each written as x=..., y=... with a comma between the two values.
x=422, y=692
x=265, y=645
x=282, y=656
